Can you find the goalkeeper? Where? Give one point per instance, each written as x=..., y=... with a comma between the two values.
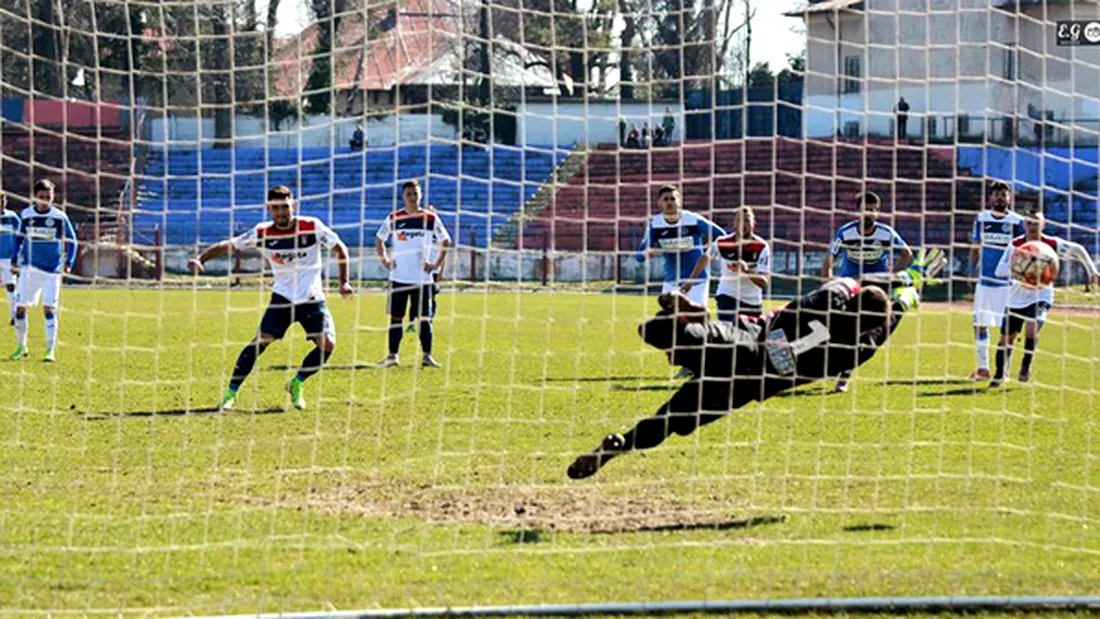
x=835, y=328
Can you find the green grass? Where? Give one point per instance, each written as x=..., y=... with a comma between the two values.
x=406, y=487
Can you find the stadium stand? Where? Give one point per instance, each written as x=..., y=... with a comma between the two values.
x=807, y=183
x=201, y=196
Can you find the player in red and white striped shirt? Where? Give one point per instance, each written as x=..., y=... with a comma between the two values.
x=1026, y=307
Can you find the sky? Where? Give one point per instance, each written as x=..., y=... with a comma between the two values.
x=772, y=37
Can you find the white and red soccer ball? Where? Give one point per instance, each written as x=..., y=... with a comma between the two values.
x=1034, y=264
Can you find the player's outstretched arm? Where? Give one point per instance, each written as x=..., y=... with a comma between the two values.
x=198, y=263
x=1075, y=251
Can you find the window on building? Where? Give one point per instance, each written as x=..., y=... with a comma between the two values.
x=1012, y=62
x=852, y=73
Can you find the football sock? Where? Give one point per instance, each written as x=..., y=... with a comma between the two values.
x=312, y=363
x=983, y=350
x=1004, y=359
x=1029, y=351
x=426, y=337
x=395, y=338
x=51, y=330
x=245, y=361
x=21, y=330
x=11, y=303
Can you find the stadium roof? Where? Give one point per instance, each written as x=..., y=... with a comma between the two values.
x=828, y=5
x=422, y=46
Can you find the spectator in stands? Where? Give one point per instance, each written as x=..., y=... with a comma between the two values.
x=622, y=132
x=902, y=110
x=1036, y=122
x=668, y=124
x=645, y=135
x=658, y=135
x=633, y=139
x=358, y=139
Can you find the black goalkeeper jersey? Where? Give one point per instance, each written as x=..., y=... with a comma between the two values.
x=814, y=337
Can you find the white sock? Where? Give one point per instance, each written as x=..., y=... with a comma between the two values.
x=51, y=331
x=11, y=303
x=983, y=352
x=21, y=331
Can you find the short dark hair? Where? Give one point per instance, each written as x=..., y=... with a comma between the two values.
x=999, y=186
x=414, y=184
x=868, y=197
x=282, y=192
x=1035, y=210
x=44, y=184
x=669, y=188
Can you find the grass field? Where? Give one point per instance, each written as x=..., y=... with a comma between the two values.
x=405, y=487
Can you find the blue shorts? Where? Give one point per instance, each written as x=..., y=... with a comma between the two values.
x=416, y=297
x=729, y=308
x=281, y=313
x=1016, y=317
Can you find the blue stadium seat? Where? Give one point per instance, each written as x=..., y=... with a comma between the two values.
x=202, y=196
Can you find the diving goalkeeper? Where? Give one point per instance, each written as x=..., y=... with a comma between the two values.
x=835, y=328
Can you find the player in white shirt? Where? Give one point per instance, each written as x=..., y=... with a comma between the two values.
x=293, y=247
x=993, y=232
x=744, y=260
x=412, y=231
x=1026, y=307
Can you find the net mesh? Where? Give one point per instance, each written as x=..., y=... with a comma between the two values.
x=541, y=132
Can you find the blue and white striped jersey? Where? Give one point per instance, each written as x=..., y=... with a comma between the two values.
x=994, y=234
x=9, y=230
x=682, y=243
x=857, y=254
x=46, y=241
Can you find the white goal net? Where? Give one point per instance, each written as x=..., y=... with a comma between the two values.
x=574, y=159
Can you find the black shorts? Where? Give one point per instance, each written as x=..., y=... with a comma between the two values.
x=729, y=308
x=1016, y=317
x=416, y=297
x=281, y=313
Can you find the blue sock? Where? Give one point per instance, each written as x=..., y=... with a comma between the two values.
x=245, y=361
x=395, y=337
x=312, y=363
x=426, y=337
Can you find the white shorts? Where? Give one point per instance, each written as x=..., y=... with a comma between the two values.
x=989, y=305
x=34, y=284
x=6, y=276
x=698, y=293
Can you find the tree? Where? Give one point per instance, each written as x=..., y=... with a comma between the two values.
x=761, y=75
x=328, y=15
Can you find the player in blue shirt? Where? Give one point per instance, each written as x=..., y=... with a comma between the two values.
x=9, y=228
x=992, y=234
x=44, y=248
x=683, y=237
x=865, y=247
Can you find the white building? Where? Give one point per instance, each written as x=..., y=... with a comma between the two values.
x=967, y=68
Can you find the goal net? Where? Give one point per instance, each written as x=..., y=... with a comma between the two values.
x=540, y=133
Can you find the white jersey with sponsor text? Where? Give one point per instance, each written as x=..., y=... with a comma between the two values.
x=295, y=256
x=413, y=236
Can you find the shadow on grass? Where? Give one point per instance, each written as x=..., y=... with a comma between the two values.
x=975, y=389
x=664, y=387
x=729, y=525
x=600, y=379
x=327, y=368
x=874, y=526
x=523, y=536
x=924, y=381
x=180, y=412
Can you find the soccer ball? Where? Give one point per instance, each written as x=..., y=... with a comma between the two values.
x=1034, y=264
